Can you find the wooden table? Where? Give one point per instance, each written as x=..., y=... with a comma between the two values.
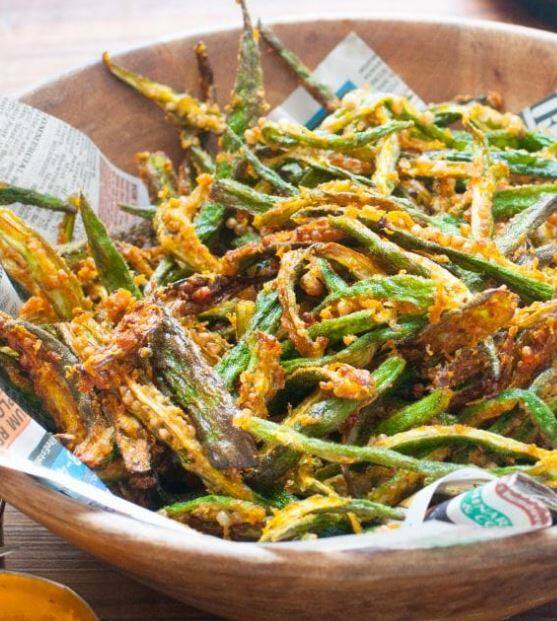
x=40, y=38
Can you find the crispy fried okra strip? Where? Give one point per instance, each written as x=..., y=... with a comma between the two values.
x=264, y=376
x=297, y=518
x=319, y=91
x=433, y=436
x=526, y=287
x=318, y=417
x=540, y=414
x=113, y=270
x=525, y=223
x=53, y=371
x=482, y=186
x=32, y=262
x=292, y=135
x=186, y=377
x=391, y=256
x=266, y=318
x=416, y=414
x=291, y=265
x=10, y=194
x=172, y=427
x=344, y=453
x=264, y=172
x=229, y=514
x=470, y=324
x=362, y=350
x=246, y=106
x=513, y=200
x=184, y=109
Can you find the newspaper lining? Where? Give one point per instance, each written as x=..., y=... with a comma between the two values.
x=46, y=154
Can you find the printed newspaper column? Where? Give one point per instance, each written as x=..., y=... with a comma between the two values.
x=24, y=437
x=48, y=155
x=41, y=152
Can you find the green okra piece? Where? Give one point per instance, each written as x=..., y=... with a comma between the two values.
x=247, y=105
x=389, y=254
x=167, y=271
x=15, y=383
x=207, y=507
x=157, y=171
x=333, y=281
x=318, y=418
x=546, y=254
x=445, y=222
x=528, y=141
x=266, y=318
x=385, y=175
x=538, y=411
x=113, y=270
x=402, y=287
x=299, y=135
x=299, y=517
x=336, y=328
x=247, y=99
x=268, y=174
x=32, y=263
x=525, y=223
x=473, y=322
x=341, y=453
x=322, y=93
x=191, y=382
x=402, y=110
x=416, y=414
x=147, y=212
x=527, y=288
x=545, y=384
x=201, y=160
x=513, y=200
x=208, y=221
x=236, y=195
x=428, y=438
x=183, y=108
x=519, y=162
x=67, y=227
x=359, y=352
x=76, y=409
x=10, y=194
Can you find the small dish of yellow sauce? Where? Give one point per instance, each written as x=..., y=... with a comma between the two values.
x=28, y=598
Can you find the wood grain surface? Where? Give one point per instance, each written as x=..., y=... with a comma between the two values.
x=40, y=38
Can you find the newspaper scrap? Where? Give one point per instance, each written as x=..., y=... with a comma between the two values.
x=21, y=436
x=10, y=302
x=48, y=155
x=350, y=65
x=41, y=152
x=542, y=115
x=514, y=500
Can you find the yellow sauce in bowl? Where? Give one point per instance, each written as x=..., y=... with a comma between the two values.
x=28, y=598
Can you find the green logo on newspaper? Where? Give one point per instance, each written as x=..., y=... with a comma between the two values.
x=474, y=507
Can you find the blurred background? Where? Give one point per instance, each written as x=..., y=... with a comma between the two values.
x=40, y=38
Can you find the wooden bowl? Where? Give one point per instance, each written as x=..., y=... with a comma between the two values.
x=439, y=59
